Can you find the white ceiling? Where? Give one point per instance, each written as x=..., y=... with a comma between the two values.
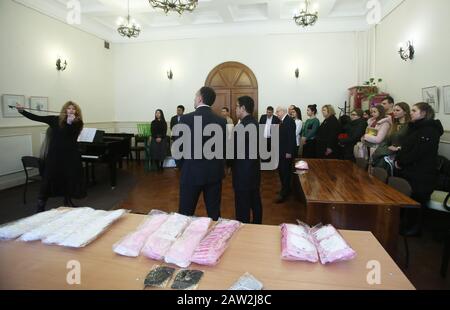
x=212, y=18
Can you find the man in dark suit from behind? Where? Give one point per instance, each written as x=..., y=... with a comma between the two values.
x=247, y=171
x=268, y=119
x=287, y=150
x=200, y=174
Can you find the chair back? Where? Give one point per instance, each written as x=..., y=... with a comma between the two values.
x=30, y=162
x=400, y=185
x=362, y=163
x=380, y=174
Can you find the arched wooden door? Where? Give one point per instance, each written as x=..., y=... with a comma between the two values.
x=232, y=80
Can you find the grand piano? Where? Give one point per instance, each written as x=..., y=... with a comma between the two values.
x=107, y=148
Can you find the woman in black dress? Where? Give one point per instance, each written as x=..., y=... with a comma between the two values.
x=327, y=135
x=158, y=144
x=62, y=170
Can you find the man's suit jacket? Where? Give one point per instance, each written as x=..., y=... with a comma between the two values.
x=199, y=172
x=288, y=142
x=174, y=121
x=263, y=119
x=246, y=172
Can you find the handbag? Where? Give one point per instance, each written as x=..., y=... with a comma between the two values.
x=360, y=151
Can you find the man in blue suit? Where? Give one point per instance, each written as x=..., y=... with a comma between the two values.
x=199, y=174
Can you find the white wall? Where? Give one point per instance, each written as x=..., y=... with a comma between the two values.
x=426, y=23
x=30, y=43
x=327, y=66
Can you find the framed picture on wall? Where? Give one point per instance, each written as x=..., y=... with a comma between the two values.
x=446, y=98
x=430, y=96
x=39, y=105
x=12, y=100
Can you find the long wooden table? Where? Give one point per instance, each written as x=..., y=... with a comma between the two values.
x=254, y=248
x=340, y=193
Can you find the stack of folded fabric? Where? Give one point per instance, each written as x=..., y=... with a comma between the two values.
x=181, y=251
x=162, y=239
x=214, y=244
x=132, y=244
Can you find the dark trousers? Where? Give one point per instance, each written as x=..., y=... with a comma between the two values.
x=309, y=149
x=269, y=148
x=285, y=172
x=212, y=194
x=246, y=202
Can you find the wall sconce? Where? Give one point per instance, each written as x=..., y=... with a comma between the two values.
x=297, y=73
x=406, y=51
x=61, y=66
x=170, y=74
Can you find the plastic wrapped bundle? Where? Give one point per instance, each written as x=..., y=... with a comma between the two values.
x=296, y=244
x=331, y=245
x=132, y=244
x=42, y=231
x=86, y=216
x=86, y=234
x=19, y=227
x=215, y=243
x=181, y=251
x=160, y=241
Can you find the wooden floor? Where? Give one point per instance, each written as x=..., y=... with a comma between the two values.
x=159, y=190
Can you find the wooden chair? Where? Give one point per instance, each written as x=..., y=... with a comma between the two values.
x=141, y=140
x=29, y=162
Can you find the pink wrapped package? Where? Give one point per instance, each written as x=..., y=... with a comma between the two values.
x=296, y=243
x=214, y=244
x=162, y=239
x=132, y=244
x=331, y=245
x=181, y=251
x=301, y=165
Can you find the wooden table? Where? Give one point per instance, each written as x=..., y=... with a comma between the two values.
x=254, y=249
x=339, y=193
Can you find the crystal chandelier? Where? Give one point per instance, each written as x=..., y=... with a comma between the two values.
x=128, y=27
x=305, y=18
x=174, y=5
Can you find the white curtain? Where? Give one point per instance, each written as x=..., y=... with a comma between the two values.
x=365, y=54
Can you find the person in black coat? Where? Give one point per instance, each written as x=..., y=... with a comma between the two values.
x=287, y=148
x=202, y=174
x=327, y=135
x=247, y=171
x=268, y=119
x=353, y=132
x=417, y=156
x=416, y=161
x=176, y=118
x=158, y=144
x=62, y=172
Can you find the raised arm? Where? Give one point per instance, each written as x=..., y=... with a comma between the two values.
x=34, y=117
